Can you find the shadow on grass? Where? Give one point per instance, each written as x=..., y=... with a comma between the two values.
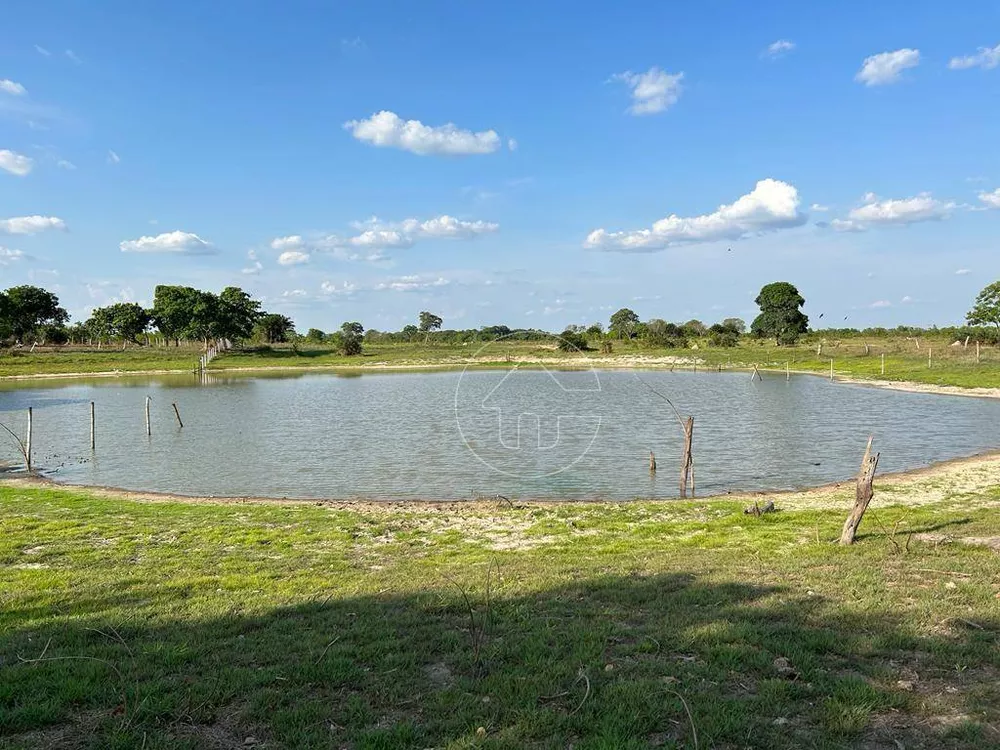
x=615, y=662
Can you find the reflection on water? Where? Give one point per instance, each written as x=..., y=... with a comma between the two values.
x=450, y=435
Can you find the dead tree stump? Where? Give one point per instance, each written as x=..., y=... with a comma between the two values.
x=863, y=495
x=687, y=467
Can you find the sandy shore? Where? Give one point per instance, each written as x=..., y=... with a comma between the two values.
x=957, y=479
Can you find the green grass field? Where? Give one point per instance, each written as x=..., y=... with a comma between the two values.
x=127, y=624
x=949, y=365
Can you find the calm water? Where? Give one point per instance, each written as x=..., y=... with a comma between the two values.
x=451, y=435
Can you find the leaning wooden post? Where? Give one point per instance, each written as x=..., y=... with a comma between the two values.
x=686, y=462
x=652, y=463
x=178, y=415
x=93, y=426
x=148, y=431
x=755, y=374
x=863, y=494
x=27, y=444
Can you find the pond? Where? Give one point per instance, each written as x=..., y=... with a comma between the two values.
x=455, y=435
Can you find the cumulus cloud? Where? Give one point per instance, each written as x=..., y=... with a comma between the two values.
x=875, y=212
x=9, y=255
x=819, y=207
x=778, y=48
x=255, y=265
x=652, y=91
x=985, y=58
x=770, y=206
x=387, y=129
x=374, y=237
x=174, y=243
x=992, y=200
x=411, y=284
x=887, y=67
x=295, y=293
x=293, y=258
x=11, y=87
x=15, y=163
x=30, y=224
x=962, y=272
x=330, y=287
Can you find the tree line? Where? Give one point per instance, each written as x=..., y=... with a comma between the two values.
x=30, y=314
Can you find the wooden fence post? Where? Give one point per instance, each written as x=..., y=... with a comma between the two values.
x=883, y=363
x=93, y=425
x=27, y=443
x=652, y=463
x=687, y=468
x=178, y=415
x=977, y=352
x=863, y=494
x=148, y=431
x=831, y=369
x=788, y=375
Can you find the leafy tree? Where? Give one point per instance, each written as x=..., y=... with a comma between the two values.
x=695, y=328
x=128, y=320
x=430, y=322
x=624, y=324
x=986, y=310
x=173, y=310
x=722, y=335
x=206, y=321
x=595, y=329
x=352, y=328
x=780, y=316
x=350, y=338
x=26, y=308
x=274, y=328
x=661, y=333
x=410, y=332
x=735, y=324
x=238, y=312
x=572, y=340
x=315, y=336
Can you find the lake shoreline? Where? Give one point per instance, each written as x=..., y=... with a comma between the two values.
x=924, y=485
x=603, y=363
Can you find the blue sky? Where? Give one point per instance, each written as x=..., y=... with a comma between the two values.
x=512, y=164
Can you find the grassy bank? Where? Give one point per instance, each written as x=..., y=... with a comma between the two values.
x=177, y=624
x=949, y=365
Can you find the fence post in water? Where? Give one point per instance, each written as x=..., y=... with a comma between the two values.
x=27, y=443
x=93, y=423
x=863, y=494
x=831, y=369
x=788, y=375
x=148, y=431
x=687, y=469
x=755, y=374
x=652, y=463
x=178, y=415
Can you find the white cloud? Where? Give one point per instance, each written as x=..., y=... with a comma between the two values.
x=255, y=266
x=411, y=284
x=389, y=130
x=991, y=199
x=357, y=44
x=770, y=206
x=819, y=207
x=11, y=87
x=511, y=144
x=330, y=287
x=652, y=91
x=286, y=243
x=15, y=163
x=8, y=255
x=113, y=158
x=921, y=207
x=72, y=56
x=176, y=243
x=907, y=299
x=962, y=272
x=886, y=67
x=292, y=293
x=985, y=58
x=30, y=224
x=880, y=303
x=65, y=164
x=42, y=51
x=778, y=48
x=293, y=258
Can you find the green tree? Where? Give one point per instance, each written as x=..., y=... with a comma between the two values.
x=173, y=310
x=26, y=308
x=350, y=339
x=572, y=340
x=623, y=324
x=780, y=317
x=127, y=320
x=352, y=328
x=986, y=310
x=430, y=322
x=315, y=336
x=238, y=313
x=735, y=324
x=595, y=329
x=410, y=332
x=661, y=333
x=274, y=328
x=695, y=328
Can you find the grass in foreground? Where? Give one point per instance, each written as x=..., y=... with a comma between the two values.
x=166, y=625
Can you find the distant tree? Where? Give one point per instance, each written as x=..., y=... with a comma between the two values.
x=430, y=322
x=623, y=324
x=410, y=332
x=695, y=328
x=127, y=320
x=661, y=333
x=572, y=340
x=349, y=341
x=274, y=328
x=736, y=324
x=315, y=336
x=54, y=334
x=780, y=317
x=353, y=328
x=26, y=308
x=172, y=310
x=595, y=329
x=238, y=313
x=986, y=310
x=722, y=335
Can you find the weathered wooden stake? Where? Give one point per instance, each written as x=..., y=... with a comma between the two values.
x=687, y=469
x=883, y=363
x=652, y=463
x=93, y=425
x=27, y=443
x=178, y=415
x=788, y=374
x=863, y=495
x=148, y=431
x=928, y=356
x=977, y=352
x=755, y=374
x=831, y=369
x=819, y=349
